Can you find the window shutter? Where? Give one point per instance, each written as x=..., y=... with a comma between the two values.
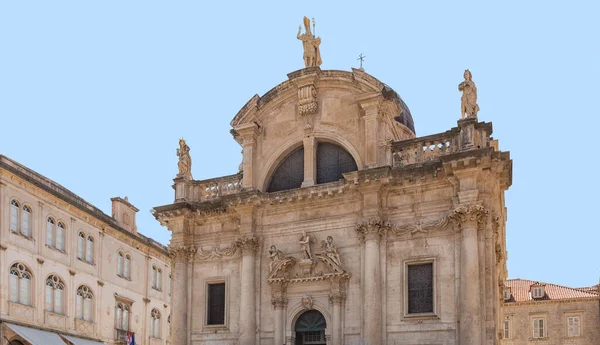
x=14, y=217
x=89, y=253
x=26, y=228
x=25, y=296
x=119, y=317
x=58, y=301
x=126, y=319
x=506, y=329
x=126, y=268
x=420, y=288
x=87, y=309
x=60, y=237
x=49, y=297
x=80, y=246
x=79, y=307
x=50, y=233
x=14, y=288
x=120, y=264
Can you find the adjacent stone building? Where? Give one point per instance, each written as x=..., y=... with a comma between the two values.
x=542, y=313
x=68, y=268
x=342, y=226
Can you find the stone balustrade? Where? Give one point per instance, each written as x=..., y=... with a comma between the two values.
x=215, y=188
x=470, y=135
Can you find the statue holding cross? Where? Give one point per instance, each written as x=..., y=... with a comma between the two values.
x=310, y=43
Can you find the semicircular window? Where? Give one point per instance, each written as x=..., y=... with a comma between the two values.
x=332, y=162
x=290, y=172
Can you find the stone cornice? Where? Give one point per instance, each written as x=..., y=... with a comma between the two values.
x=550, y=301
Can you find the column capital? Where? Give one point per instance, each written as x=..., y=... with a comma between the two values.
x=181, y=253
x=469, y=213
x=337, y=298
x=279, y=301
x=248, y=243
x=372, y=229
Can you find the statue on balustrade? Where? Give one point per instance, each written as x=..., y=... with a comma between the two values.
x=185, y=160
x=330, y=255
x=468, y=102
x=279, y=262
x=310, y=43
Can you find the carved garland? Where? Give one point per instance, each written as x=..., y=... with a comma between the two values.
x=422, y=227
x=216, y=253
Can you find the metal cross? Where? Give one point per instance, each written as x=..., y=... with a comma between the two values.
x=361, y=58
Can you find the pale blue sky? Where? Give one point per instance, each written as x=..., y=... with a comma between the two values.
x=94, y=95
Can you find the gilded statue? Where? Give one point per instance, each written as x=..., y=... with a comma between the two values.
x=330, y=255
x=185, y=160
x=278, y=261
x=310, y=43
x=468, y=102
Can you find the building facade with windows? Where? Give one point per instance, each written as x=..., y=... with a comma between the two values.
x=67, y=268
x=342, y=225
x=536, y=312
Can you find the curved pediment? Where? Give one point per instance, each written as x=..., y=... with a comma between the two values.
x=351, y=109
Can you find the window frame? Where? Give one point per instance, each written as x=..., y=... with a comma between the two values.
x=580, y=328
x=210, y=281
x=154, y=317
x=85, y=290
x=539, y=289
x=16, y=217
x=420, y=261
x=24, y=270
x=56, y=286
x=54, y=232
x=506, y=330
x=544, y=327
x=125, y=306
x=124, y=261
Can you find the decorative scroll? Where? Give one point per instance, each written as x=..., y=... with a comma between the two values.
x=307, y=100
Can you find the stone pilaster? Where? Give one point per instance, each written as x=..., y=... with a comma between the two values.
x=279, y=304
x=249, y=133
x=249, y=246
x=468, y=219
x=310, y=164
x=371, y=140
x=370, y=232
x=180, y=256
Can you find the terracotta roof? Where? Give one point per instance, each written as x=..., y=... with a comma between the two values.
x=520, y=291
x=591, y=289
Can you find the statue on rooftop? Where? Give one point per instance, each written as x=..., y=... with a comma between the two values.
x=312, y=54
x=468, y=102
x=185, y=160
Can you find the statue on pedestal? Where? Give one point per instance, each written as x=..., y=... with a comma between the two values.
x=468, y=102
x=312, y=54
x=185, y=160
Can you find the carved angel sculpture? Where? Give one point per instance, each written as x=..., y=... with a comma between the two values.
x=330, y=255
x=278, y=261
x=305, y=241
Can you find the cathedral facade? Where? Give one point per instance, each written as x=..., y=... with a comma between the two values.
x=342, y=226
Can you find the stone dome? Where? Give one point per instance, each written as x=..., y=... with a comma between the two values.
x=404, y=117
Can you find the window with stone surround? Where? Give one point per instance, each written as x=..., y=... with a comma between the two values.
x=215, y=304
x=506, y=329
x=55, y=292
x=85, y=247
x=20, y=218
x=573, y=326
x=20, y=284
x=84, y=304
x=122, y=316
x=419, y=288
x=55, y=234
x=124, y=265
x=539, y=327
x=156, y=278
x=155, y=324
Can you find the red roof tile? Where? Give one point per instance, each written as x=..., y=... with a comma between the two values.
x=591, y=289
x=520, y=291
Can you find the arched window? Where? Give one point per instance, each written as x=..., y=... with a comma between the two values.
x=155, y=324
x=15, y=208
x=55, y=234
x=26, y=221
x=55, y=289
x=170, y=285
x=50, y=229
x=332, y=162
x=81, y=245
x=20, y=284
x=122, y=315
x=120, y=260
x=154, y=277
x=85, y=247
x=127, y=267
x=290, y=172
x=310, y=328
x=84, y=304
x=124, y=265
x=60, y=236
x=168, y=326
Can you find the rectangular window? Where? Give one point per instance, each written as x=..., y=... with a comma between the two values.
x=216, y=304
x=506, y=329
x=573, y=326
x=420, y=288
x=539, y=327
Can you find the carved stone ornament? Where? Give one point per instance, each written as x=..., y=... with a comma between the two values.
x=423, y=227
x=248, y=243
x=182, y=252
x=307, y=302
x=279, y=263
x=307, y=100
x=216, y=253
x=372, y=229
x=469, y=213
x=337, y=297
x=279, y=301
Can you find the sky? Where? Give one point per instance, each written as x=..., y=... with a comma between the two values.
x=95, y=95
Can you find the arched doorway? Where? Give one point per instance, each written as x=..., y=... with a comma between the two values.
x=310, y=328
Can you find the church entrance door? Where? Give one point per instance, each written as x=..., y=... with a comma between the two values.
x=310, y=328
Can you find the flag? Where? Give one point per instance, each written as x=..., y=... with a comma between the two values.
x=130, y=338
